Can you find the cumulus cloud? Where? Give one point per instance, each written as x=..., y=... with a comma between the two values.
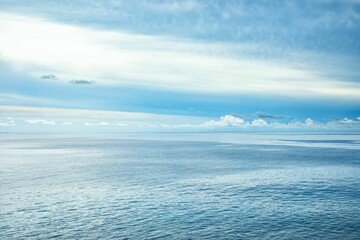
x=309, y=122
x=50, y=77
x=82, y=82
x=345, y=122
x=225, y=121
x=235, y=121
x=259, y=123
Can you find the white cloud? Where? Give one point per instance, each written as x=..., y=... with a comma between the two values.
x=346, y=120
x=96, y=123
x=225, y=121
x=121, y=124
x=5, y=122
x=116, y=58
x=82, y=115
x=137, y=121
x=40, y=121
x=309, y=122
x=259, y=123
x=237, y=122
x=345, y=123
x=234, y=121
x=19, y=99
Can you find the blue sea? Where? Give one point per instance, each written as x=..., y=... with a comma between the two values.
x=179, y=186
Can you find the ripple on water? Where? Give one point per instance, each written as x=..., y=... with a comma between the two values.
x=117, y=189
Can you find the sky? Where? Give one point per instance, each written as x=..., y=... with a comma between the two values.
x=179, y=65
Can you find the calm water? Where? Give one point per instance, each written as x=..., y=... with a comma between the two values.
x=179, y=186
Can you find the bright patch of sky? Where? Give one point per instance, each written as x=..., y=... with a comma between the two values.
x=180, y=65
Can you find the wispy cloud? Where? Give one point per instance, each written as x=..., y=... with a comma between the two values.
x=96, y=124
x=6, y=98
x=82, y=82
x=20, y=99
x=268, y=116
x=49, y=76
x=262, y=115
x=40, y=121
x=121, y=59
x=119, y=124
x=31, y=115
x=6, y=122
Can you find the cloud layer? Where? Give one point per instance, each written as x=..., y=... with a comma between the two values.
x=137, y=121
x=180, y=65
x=123, y=59
x=237, y=122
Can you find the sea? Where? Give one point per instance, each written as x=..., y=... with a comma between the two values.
x=179, y=186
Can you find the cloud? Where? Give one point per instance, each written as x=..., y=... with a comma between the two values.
x=50, y=76
x=84, y=115
x=5, y=122
x=138, y=121
x=114, y=58
x=258, y=123
x=121, y=124
x=236, y=122
x=225, y=121
x=346, y=122
x=268, y=116
x=14, y=98
x=96, y=124
x=261, y=115
x=309, y=122
x=19, y=99
x=82, y=82
x=40, y=121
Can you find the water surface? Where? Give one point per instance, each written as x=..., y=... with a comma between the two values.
x=180, y=186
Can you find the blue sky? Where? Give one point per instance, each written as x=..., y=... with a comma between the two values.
x=176, y=65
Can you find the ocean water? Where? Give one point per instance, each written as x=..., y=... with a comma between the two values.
x=179, y=186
